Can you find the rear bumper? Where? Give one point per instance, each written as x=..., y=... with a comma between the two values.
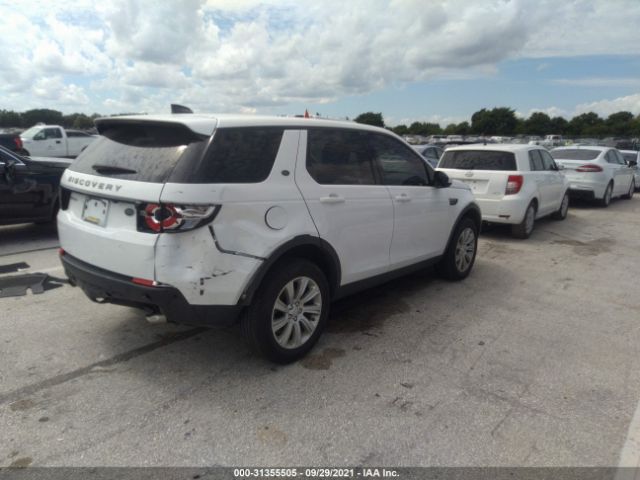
x=582, y=193
x=103, y=286
x=508, y=209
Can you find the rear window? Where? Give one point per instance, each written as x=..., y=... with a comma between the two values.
x=171, y=152
x=140, y=152
x=575, y=154
x=478, y=160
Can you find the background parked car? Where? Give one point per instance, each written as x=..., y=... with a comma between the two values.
x=431, y=152
x=632, y=157
x=12, y=141
x=29, y=188
x=513, y=183
x=55, y=141
x=596, y=173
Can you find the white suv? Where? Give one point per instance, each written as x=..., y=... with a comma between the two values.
x=212, y=219
x=513, y=184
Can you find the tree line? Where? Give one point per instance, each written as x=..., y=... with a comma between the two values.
x=504, y=122
x=10, y=118
x=496, y=121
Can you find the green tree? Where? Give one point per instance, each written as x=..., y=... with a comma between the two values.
x=587, y=124
x=538, y=123
x=44, y=115
x=620, y=124
x=370, y=118
x=559, y=125
x=497, y=121
x=9, y=118
x=400, y=130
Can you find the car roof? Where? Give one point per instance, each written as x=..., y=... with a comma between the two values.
x=207, y=123
x=584, y=147
x=500, y=147
x=629, y=151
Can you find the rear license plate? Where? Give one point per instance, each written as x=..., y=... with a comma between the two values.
x=95, y=211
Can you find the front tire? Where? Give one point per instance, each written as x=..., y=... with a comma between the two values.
x=289, y=311
x=525, y=228
x=606, y=199
x=461, y=253
x=561, y=213
x=632, y=189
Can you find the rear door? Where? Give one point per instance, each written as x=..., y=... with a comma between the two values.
x=542, y=179
x=422, y=213
x=107, y=188
x=352, y=211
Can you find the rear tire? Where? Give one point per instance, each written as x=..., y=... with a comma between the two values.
x=632, y=189
x=561, y=213
x=460, y=255
x=524, y=229
x=289, y=311
x=606, y=199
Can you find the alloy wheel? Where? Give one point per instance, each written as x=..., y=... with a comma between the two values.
x=465, y=249
x=296, y=312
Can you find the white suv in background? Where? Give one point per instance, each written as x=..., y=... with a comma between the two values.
x=210, y=219
x=513, y=184
x=596, y=173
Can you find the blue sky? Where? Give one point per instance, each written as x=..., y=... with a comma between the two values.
x=411, y=60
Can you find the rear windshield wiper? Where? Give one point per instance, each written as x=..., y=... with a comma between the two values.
x=107, y=169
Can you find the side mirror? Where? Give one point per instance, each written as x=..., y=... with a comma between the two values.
x=441, y=180
x=560, y=166
x=633, y=163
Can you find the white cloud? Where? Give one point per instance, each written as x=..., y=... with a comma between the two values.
x=604, y=108
x=233, y=55
x=599, y=82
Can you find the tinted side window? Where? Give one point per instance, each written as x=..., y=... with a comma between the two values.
x=399, y=165
x=240, y=155
x=535, y=161
x=547, y=160
x=339, y=157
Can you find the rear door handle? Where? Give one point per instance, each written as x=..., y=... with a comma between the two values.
x=403, y=197
x=332, y=199
x=57, y=141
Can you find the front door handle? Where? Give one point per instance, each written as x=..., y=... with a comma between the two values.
x=332, y=199
x=57, y=141
x=403, y=198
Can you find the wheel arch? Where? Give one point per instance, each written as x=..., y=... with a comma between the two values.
x=471, y=211
x=308, y=247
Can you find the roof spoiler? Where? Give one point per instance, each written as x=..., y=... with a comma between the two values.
x=175, y=108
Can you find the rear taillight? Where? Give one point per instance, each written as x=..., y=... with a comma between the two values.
x=589, y=167
x=514, y=184
x=18, y=142
x=145, y=282
x=168, y=218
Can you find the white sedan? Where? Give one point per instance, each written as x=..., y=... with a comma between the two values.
x=596, y=173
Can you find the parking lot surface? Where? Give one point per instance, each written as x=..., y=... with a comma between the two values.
x=533, y=360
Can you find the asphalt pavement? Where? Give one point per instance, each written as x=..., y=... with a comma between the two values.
x=532, y=361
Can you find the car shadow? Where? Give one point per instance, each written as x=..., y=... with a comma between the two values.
x=26, y=237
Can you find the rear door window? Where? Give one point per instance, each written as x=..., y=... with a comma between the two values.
x=547, y=160
x=478, y=160
x=535, y=161
x=340, y=157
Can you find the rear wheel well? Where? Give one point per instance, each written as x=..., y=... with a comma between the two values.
x=316, y=255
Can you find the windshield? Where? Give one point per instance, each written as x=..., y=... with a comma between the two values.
x=30, y=132
x=575, y=154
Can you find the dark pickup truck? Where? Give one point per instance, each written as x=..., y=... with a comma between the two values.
x=12, y=142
